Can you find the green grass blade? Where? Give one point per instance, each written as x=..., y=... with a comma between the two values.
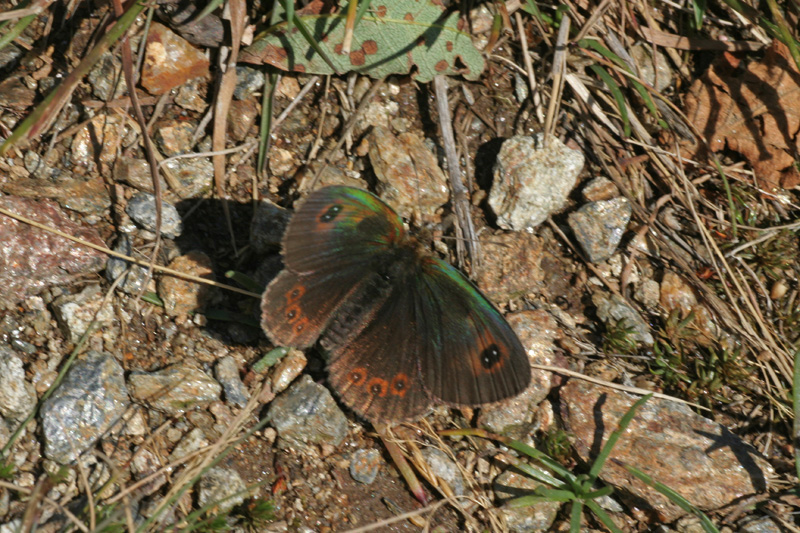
x=538, y=475
x=530, y=7
x=734, y=214
x=309, y=37
x=674, y=497
x=543, y=458
x=575, y=514
x=698, y=10
x=152, y=298
x=785, y=32
x=616, y=92
x=602, y=515
x=16, y=31
x=245, y=281
x=533, y=499
x=288, y=7
x=363, y=7
x=593, y=44
x=624, y=422
x=206, y=11
x=648, y=102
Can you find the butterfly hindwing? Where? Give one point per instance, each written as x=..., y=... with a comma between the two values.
x=376, y=371
x=295, y=309
x=469, y=354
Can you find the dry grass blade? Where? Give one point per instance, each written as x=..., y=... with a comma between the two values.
x=536, y=96
x=37, y=7
x=130, y=79
x=557, y=72
x=465, y=229
x=222, y=103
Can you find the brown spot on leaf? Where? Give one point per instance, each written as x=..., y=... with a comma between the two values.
x=357, y=58
x=441, y=65
x=370, y=47
x=273, y=55
x=338, y=49
x=314, y=7
x=408, y=17
x=380, y=11
x=269, y=55
x=299, y=68
x=449, y=46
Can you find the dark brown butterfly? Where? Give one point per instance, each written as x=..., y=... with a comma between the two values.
x=402, y=329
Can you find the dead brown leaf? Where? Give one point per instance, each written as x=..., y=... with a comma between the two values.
x=753, y=110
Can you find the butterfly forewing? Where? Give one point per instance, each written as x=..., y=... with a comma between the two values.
x=470, y=355
x=338, y=228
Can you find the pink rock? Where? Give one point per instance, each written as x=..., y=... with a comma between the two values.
x=32, y=259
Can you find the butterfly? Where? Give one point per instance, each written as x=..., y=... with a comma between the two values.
x=403, y=330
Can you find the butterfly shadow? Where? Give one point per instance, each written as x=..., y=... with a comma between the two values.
x=233, y=317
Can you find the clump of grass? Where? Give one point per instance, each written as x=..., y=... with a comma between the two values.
x=556, y=444
x=789, y=323
x=561, y=485
x=719, y=371
x=619, y=338
x=774, y=256
x=7, y=471
x=255, y=514
x=702, y=372
x=110, y=519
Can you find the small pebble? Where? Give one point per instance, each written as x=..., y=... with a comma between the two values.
x=228, y=375
x=142, y=209
x=599, y=226
x=364, y=466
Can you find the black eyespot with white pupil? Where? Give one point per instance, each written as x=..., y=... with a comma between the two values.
x=490, y=356
x=329, y=215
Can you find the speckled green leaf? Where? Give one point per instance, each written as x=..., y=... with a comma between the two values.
x=393, y=37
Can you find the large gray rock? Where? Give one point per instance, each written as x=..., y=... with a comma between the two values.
x=89, y=401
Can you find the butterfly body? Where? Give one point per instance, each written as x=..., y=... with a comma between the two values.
x=402, y=329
